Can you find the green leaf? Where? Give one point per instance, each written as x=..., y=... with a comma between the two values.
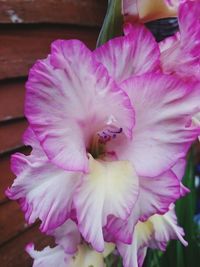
x=113, y=22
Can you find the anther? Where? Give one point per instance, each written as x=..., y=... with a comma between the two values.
x=107, y=134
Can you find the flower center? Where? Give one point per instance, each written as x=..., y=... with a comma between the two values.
x=97, y=147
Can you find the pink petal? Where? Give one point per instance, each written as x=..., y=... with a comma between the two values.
x=50, y=257
x=43, y=190
x=111, y=188
x=145, y=10
x=29, y=139
x=179, y=171
x=135, y=53
x=67, y=236
x=70, y=97
x=134, y=254
x=168, y=42
x=173, y=3
x=164, y=107
x=180, y=54
x=154, y=233
x=165, y=229
x=129, y=7
x=155, y=196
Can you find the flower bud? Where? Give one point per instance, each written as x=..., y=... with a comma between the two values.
x=147, y=10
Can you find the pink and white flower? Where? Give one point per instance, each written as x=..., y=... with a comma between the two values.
x=135, y=53
x=154, y=198
x=56, y=256
x=107, y=130
x=51, y=194
x=109, y=134
x=180, y=53
x=147, y=10
x=43, y=190
x=70, y=250
x=154, y=233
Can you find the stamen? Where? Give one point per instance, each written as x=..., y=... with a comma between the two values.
x=97, y=146
x=107, y=134
x=116, y=131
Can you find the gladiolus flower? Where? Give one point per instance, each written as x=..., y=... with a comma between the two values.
x=70, y=251
x=147, y=10
x=109, y=134
x=56, y=256
x=154, y=233
x=180, y=53
x=103, y=137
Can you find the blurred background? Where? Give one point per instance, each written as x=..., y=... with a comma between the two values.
x=27, y=27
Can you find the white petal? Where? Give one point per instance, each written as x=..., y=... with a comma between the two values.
x=111, y=188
